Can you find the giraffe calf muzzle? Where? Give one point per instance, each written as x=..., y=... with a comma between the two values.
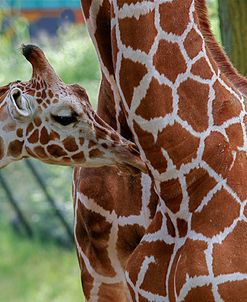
x=129, y=160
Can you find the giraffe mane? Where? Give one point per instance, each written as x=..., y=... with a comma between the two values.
x=217, y=51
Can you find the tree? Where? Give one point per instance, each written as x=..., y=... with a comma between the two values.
x=233, y=16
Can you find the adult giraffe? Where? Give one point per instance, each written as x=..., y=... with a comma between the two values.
x=184, y=108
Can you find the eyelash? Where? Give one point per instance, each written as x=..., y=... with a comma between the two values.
x=65, y=120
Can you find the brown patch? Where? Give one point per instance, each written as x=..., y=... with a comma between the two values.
x=30, y=128
x=105, y=146
x=169, y=60
x=114, y=54
x=179, y=143
x=96, y=153
x=43, y=95
x=193, y=104
x=170, y=226
x=233, y=291
x=15, y=148
x=37, y=85
x=37, y=121
x=66, y=160
x=50, y=94
x=34, y=137
x=81, y=141
x=210, y=221
x=157, y=102
x=182, y=227
x=92, y=232
x=103, y=34
x=199, y=183
x=114, y=136
x=151, y=148
x=86, y=278
x=112, y=292
x=39, y=100
x=55, y=101
x=217, y=153
x=1, y=147
x=19, y=132
x=202, y=69
x=154, y=198
x=30, y=152
x=129, y=236
x=54, y=136
x=131, y=74
x=203, y=293
x=112, y=190
x=44, y=136
x=9, y=127
x=190, y=261
x=230, y=256
x=91, y=144
x=236, y=178
x=225, y=105
x=193, y=44
x=40, y=151
x=79, y=157
x=171, y=193
x=171, y=12
x=56, y=150
x=38, y=94
x=235, y=135
x=144, y=26
x=70, y=144
x=156, y=272
x=156, y=223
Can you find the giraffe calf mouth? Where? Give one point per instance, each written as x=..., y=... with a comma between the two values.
x=129, y=160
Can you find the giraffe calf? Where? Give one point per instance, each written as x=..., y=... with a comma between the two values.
x=54, y=122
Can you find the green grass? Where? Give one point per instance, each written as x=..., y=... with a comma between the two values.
x=34, y=272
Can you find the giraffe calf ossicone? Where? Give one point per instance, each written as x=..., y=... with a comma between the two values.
x=54, y=122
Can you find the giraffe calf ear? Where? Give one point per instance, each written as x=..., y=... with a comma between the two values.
x=19, y=105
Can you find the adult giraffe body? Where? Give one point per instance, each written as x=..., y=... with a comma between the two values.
x=184, y=108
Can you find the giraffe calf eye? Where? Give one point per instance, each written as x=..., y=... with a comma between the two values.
x=65, y=120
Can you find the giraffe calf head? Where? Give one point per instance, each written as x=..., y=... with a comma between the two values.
x=52, y=121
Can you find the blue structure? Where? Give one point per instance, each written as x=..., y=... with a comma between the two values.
x=40, y=4
x=44, y=16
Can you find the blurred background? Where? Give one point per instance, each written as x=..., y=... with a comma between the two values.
x=37, y=256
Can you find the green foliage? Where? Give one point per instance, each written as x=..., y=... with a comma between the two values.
x=214, y=18
x=30, y=271
x=72, y=55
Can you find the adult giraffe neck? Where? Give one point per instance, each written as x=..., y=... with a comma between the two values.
x=217, y=52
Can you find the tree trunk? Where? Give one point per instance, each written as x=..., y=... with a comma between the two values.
x=233, y=17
